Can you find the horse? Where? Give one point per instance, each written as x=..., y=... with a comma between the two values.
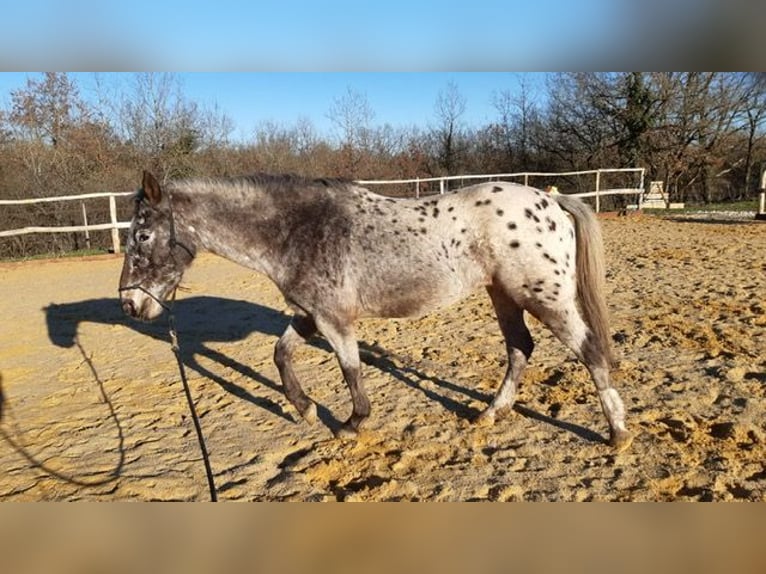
x=339, y=253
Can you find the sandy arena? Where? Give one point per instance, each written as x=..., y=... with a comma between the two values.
x=94, y=409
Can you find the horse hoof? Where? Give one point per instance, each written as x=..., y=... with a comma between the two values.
x=486, y=418
x=310, y=414
x=347, y=432
x=620, y=440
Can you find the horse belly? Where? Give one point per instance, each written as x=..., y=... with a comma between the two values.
x=414, y=293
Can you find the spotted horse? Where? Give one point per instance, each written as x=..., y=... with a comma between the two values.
x=339, y=252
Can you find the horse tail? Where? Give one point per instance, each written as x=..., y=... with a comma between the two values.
x=590, y=268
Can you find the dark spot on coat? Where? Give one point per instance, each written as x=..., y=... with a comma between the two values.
x=530, y=215
x=514, y=244
x=423, y=230
x=544, y=203
x=451, y=208
x=497, y=189
x=511, y=225
x=436, y=212
x=463, y=230
x=499, y=212
x=537, y=289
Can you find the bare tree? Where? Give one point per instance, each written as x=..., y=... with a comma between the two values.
x=517, y=124
x=448, y=134
x=165, y=127
x=352, y=116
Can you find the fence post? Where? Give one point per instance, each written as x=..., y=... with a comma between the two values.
x=441, y=186
x=598, y=190
x=417, y=188
x=85, y=222
x=115, y=231
x=762, y=197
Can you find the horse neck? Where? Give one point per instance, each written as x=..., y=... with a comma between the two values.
x=225, y=221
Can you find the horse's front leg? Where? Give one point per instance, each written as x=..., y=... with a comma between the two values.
x=298, y=331
x=343, y=341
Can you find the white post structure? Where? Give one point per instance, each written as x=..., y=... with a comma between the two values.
x=85, y=223
x=113, y=219
x=761, y=215
x=598, y=191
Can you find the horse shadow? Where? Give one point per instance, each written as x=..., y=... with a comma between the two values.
x=199, y=321
x=203, y=320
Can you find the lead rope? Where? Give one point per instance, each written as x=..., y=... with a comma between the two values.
x=197, y=427
x=177, y=352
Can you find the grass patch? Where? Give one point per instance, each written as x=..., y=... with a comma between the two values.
x=736, y=206
x=58, y=255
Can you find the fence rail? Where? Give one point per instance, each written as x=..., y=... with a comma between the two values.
x=598, y=192
x=115, y=225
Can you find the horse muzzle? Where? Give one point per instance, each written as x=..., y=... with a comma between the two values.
x=140, y=304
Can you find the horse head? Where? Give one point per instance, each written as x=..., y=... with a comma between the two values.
x=155, y=257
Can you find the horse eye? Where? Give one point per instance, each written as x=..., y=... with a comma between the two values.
x=143, y=237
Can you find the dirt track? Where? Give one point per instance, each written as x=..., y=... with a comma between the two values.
x=94, y=409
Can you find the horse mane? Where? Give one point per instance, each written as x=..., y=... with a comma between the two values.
x=266, y=179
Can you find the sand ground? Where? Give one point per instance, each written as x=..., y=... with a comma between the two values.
x=94, y=410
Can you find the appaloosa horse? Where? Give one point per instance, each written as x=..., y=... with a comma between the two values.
x=339, y=252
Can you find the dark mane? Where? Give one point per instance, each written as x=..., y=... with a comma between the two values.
x=266, y=179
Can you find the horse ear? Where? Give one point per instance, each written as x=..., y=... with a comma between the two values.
x=151, y=188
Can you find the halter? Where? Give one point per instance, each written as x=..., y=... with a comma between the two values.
x=176, y=348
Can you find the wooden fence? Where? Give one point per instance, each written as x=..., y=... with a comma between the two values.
x=597, y=191
x=86, y=228
x=444, y=184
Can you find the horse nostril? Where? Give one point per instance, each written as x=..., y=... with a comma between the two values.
x=129, y=308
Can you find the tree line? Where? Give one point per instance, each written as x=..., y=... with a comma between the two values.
x=701, y=133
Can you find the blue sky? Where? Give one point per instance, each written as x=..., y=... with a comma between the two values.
x=399, y=99
x=390, y=35
x=302, y=35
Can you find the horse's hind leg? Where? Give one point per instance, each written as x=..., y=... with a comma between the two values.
x=343, y=341
x=298, y=331
x=519, y=345
x=569, y=327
